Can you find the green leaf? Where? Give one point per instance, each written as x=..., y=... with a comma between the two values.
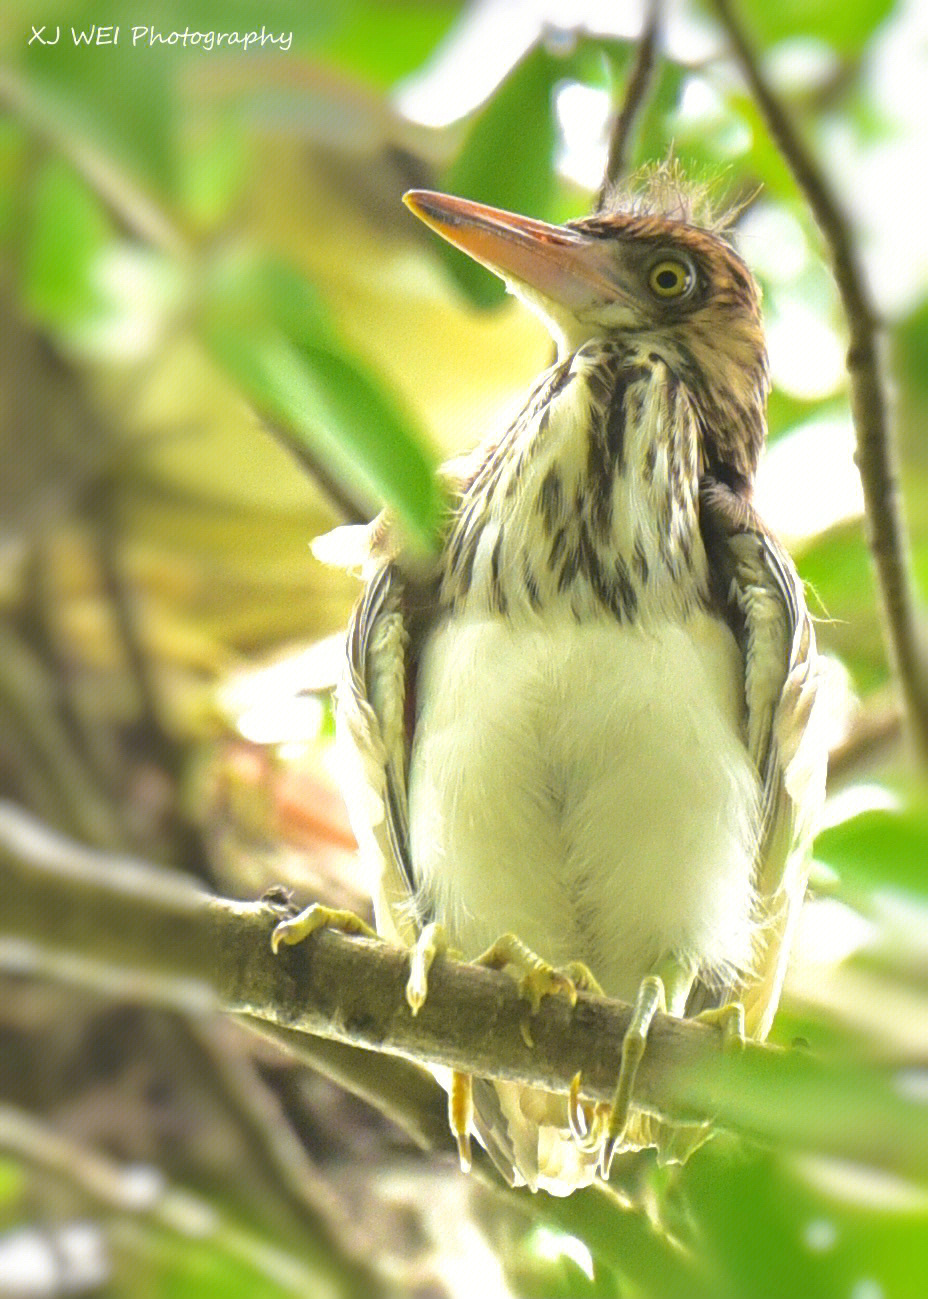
x=879, y=849
x=845, y=26
x=771, y=1227
x=116, y=98
x=507, y=159
x=910, y=347
x=272, y=335
x=12, y=1181
x=625, y=1242
x=150, y=1263
x=69, y=229
x=384, y=42
x=839, y=573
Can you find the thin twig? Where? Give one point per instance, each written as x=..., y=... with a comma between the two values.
x=401, y=1091
x=637, y=89
x=876, y=456
x=69, y=913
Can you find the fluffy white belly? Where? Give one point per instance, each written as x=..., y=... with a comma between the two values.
x=587, y=787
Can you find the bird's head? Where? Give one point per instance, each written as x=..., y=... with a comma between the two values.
x=660, y=281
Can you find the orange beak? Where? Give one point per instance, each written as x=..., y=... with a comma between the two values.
x=564, y=265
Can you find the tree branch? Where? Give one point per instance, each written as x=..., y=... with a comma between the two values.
x=876, y=458
x=637, y=89
x=67, y=912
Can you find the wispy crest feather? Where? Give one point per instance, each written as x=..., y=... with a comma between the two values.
x=664, y=189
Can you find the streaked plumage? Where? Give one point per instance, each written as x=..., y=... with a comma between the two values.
x=590, y=720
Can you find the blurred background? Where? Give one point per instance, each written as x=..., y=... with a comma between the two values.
x=222, y=334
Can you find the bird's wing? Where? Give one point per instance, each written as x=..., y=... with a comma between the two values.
x=785, y=732
x=373, y=706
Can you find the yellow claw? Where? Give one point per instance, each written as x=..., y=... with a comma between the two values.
x=582, y=977
x=297, y=928
x=539, y=979
x=730, y=1018
x=585, y=1120
x=432, y=942
x=461, y=1115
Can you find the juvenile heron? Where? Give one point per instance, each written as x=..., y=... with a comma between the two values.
x=589, y=725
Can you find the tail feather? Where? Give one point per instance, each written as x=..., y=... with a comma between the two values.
x=526, y=1134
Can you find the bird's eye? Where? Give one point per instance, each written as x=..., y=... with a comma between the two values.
x=670, y=278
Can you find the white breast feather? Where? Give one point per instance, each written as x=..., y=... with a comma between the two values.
x=587, y=787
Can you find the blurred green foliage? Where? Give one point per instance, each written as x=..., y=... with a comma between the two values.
x=209, y=287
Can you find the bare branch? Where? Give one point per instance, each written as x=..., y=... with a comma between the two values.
x=876, y=458
x=66, y=912
x=637, y=89
x=403, y=1092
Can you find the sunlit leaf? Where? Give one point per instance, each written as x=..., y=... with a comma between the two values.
x=772, y=1228
x=68, y=231
x=384, y=42
x=879, y=849
x=846, y=27
x=272, y=336
x=507, y=158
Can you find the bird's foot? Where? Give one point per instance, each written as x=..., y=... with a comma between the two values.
x=730, y=1019
x=432, y=942
x=651, y=998
x=665, y=988
x=676, y=1139
x=299, y=927
x=537, y=978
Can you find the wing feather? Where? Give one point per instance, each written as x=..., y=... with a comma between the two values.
x=764, y=600
x=373, y=744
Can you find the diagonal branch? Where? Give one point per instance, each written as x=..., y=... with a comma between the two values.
x=876, y=457
x=67, y=912
x=637, y=89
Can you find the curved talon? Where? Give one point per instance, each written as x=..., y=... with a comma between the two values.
x=582, y=977
x=584, y=1120
x=316, y=916
x=545, y=981
x=576, y=1114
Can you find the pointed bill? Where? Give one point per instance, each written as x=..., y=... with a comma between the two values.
x=563, y=264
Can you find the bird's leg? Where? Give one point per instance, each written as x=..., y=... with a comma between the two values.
x=666, y=988
x=677, y=1139
x=432, y=942
x=297, y=928
x=537, y=977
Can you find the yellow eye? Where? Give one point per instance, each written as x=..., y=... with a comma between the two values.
x=670, y=278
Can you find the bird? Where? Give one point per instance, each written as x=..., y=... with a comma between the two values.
x=583, y=742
